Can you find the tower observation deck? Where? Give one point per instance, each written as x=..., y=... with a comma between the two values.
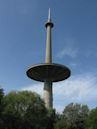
x=48, y=72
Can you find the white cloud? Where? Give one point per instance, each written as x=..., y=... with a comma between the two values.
x=80, y=89
x=38, y=88
x=69, y=49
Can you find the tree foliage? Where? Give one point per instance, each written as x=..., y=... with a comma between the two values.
x=92, y=119
x=24, y=110
x=1, y=98
x=1, y=108
x=73, y=117
x=60, y=123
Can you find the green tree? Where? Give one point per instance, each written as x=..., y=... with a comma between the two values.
x=92, y=119
x=51, y=118
x=25, y=110
x=1, y=98
x=73, y=117
x=1, y=108
x=60, y=122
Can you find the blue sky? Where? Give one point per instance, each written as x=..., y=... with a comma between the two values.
x=22, y=43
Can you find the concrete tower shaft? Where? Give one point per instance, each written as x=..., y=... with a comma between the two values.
x=47, y=92
x=49, y=25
